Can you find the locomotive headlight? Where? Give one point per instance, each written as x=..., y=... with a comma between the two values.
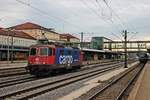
x=37, y=59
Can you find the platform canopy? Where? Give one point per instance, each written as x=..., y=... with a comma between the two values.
x=93, y=50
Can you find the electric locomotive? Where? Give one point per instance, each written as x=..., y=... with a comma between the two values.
x=143, y=57
x=45, y=58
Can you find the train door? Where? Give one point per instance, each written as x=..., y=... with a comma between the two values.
x=58, y=53
x=76, y=56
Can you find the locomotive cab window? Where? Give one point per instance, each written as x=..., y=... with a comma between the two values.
x=33, y=51
x=43, y=51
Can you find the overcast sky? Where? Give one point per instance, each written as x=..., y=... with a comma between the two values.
x=93, y=17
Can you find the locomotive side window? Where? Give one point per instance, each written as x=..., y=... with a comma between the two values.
x=43, y=51
x=50, y=51
x=33, y=51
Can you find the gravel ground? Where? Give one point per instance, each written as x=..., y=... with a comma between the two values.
x=128, y=91
x=110, y=93
x=15, y=77
x=54, y=95
x=114, y=90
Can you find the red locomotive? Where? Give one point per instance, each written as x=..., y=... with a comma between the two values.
x=46, y=58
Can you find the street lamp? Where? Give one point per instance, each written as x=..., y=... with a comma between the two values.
x=12, y=46
x=8, y=45
x=8, y=53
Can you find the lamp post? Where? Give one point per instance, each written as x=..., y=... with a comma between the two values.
x=8, y=51
x=12, y=46
x=8, y=45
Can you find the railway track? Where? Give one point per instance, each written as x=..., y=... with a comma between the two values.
x=13, y=80
x=20, y=71
x=16, y=80
x=43, y=87
x=115, y=89
x=12, y=72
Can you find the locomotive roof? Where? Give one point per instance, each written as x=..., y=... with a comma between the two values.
x=52, y=45
x=42, y=45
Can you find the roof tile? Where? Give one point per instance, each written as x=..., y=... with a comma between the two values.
x=68, y=35
x=19, y=34
x=27, y=25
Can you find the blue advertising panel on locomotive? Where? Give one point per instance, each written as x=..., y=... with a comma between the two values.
x=66, y=56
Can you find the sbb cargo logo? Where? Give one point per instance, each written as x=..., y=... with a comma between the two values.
x=65, y=59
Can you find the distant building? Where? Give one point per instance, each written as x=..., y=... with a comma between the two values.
x=98, y=43
x=37, y=31
x=15, y=41
x=132, y=46
x=69, y=38
x=19, y=38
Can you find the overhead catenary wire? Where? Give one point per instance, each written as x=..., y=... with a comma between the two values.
x=51, y=16
x=100, y=6
x=117, y=36
x=111, y=18
x=56, y=17
x=122, y=21
x=93, y=10
x=113, y=12
x=133, y=36
x=98, y=15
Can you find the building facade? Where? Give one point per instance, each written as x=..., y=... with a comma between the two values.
x=15, y=44
x=37, y=31
x=69, y=38
x=98, y=43
x=16, y=40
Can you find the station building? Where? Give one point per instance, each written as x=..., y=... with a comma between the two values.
x=37, y=31
x=99, y=43
x=16, y=40
x=69, y=38
x=15, y=43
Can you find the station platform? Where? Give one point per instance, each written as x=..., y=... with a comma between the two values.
x=141, y=89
